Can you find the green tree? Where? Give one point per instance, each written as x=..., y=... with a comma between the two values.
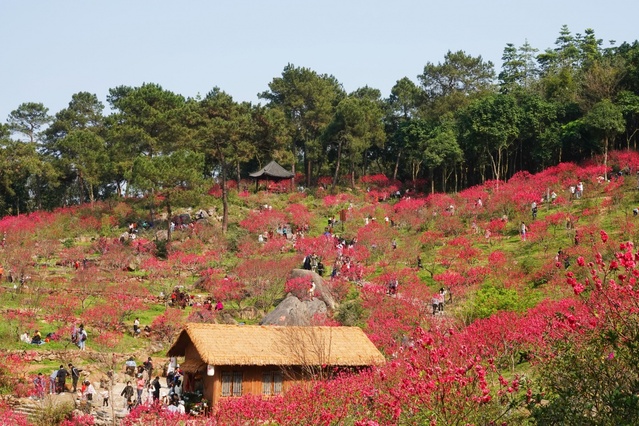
x=75, y=139
x=435, y=146
x=455, y=82
x=606, y=120
x=357, y=126
x=490, y=126
x=539, y=141
x=308, y=100
x=177, y=178
x=519, y=68
x=147, y=120
x=629, y=103
x=21, y=168
x=401, y=106
x=223, y=129
x=29, y=118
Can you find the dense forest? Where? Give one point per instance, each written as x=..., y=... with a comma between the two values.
x=459, y=124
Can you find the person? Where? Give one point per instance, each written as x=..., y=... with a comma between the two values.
x=172, y=408
x=419, y=263
x=442, y=298
x=52, y=381
x=156, y=389
x=534, y=210
x=392, y=286
x=74, y=335
x=522, y=230
x=635, y=211
x=37, y=338
x=435, y=303
x=320, y=268
x=480, y=202
x=130, y=366
x=136, y=327
x=24, y=337
x=148, y=367
x=105, y=398
x=82, y=338
x=127, y=393
x=219, y=306
x=311, y=290
x=75, y=375
x=580, y=189
x=62, y=379
x=89, y=393
x=139, y=388
x=180, y=408
x=39, y=385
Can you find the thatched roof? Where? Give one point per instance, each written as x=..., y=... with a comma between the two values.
x=273, y=170
x=193, y=366
x=220, y=344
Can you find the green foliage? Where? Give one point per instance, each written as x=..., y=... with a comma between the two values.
x=492, y=298
x=351, y=312
x=590, y=382
x=53, y=413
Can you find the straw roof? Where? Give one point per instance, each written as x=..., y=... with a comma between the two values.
x=273, y=170
x=221, y=344
x=193, y=366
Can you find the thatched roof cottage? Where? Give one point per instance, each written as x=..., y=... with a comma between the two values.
x=232, y=360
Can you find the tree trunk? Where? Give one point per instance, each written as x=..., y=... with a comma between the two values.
x=352, y=175
x=225, y=200
x=337, y=164
x=169, y=218
x=605, y=158
x=91, y=196
x=431, y=176
x=239, y=177
x=399, y=154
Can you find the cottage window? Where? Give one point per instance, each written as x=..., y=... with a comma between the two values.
x=272, y=383
x=232, y=383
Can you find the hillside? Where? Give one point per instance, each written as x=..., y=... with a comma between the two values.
x=512, y=303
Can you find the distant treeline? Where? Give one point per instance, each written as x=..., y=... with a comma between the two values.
x=457, y=125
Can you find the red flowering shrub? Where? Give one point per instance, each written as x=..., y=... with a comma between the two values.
x=167, y=325
x=300, y=287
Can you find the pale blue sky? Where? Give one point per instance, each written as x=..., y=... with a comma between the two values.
x=52, y=49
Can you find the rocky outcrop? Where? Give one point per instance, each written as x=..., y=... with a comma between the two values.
x=321, y=288
x=293, y=311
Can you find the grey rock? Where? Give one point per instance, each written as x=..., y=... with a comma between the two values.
x=321, y=288
x=293, y=311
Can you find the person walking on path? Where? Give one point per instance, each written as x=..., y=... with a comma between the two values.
x=62, y=378
x=52, y=380
x=156, y=389
x=139, y=388
x=523, y=230
x=82, y=337
x=89, y=394
x=39, y=383
x=127, y=393
x=75, y=375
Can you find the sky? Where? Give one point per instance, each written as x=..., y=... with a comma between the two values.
x=53, y=49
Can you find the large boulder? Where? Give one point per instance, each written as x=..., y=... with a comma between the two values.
x=293, y=311
x=322, y=291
